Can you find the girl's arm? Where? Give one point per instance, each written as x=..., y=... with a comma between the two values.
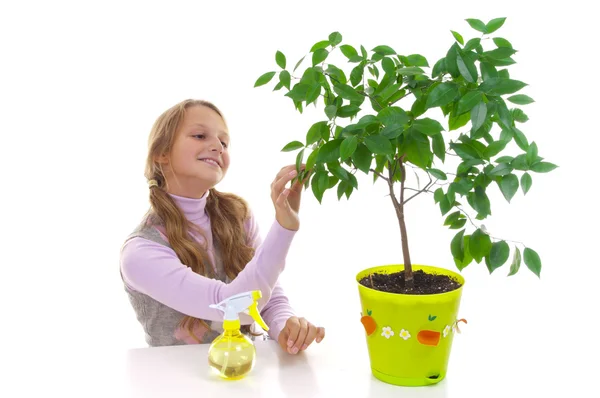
x=153, y=269
x=278, y=310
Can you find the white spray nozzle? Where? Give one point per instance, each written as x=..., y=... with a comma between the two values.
x=242, y=302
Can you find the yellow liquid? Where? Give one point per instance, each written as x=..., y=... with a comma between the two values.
x=232, y=355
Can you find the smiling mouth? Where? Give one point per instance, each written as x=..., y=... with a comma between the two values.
x=211, y=162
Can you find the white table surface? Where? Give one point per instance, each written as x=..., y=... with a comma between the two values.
x=324, y=370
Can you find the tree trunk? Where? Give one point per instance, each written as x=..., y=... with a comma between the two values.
x=399, y=206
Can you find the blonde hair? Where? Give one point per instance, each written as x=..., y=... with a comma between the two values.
x=227, y=212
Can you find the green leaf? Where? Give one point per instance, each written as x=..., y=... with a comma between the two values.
x=467, y=68
x=494, y=148
x=379, y=145
x=348, y=111
x=319, y=56
x=494, y=25
x=280, y=59
x=320, y=45
x=439, y=174
x=330, y=151
x=467, y=259
x=498, y=255
x=488, y=71
x=335, y=38
x=264, y=79
x=516, y=262
x=503, y=73
x=438, y=195
x=526, y=183
x=457, y=247
x=518, y=115
x=543, y=167
x=520, y=139
x=313, y=93
x=445, y=205
x=417, y=60
x=442, y=94
x=471, y=44
x=499, y=53
x=450, y=63
x=312, y=159
x=532, y=260
x=501, y=86
x=468, y=101
x=384, y=50
x=428, y=126
x=298, y=63
x=500, y=42
x=454, y=123
x=480, y=245
x=410, y=71
x=299, y=158
x=459, y=224
x=391, y=131
x=315, y=132
x=362, y=158
x=319, y=184
x=331, y=111
x=417, y=148
x=481, y=202
x=347, y=92
x=452, y=218
x=388, y=66
x=438, y=68
x=348, y=147
x=477, y=25
x=500, y=170
x=298, y=92
x=458, y=37
x=393, y=116
x=337, y=75
x=285, y=78
x=439, y=146
x=478, y=115
x=520, y=99
x=357, y=74
x=349, y=51
x=509, y=185
x=464, y=151
x=292, y=146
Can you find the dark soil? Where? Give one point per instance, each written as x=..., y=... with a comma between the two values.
x=424, y=283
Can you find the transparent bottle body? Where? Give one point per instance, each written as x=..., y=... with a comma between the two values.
x=232, y=355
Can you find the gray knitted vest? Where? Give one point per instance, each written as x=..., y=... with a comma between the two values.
x=160, y=322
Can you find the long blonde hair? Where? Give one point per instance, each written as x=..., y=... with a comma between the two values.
x=227, y=212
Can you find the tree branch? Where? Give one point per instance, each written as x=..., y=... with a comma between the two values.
x=380, y=175
x=430, y=183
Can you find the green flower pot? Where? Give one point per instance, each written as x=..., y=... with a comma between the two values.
x=409, y=337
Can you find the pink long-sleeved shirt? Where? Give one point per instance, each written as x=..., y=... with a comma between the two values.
x=155, y=271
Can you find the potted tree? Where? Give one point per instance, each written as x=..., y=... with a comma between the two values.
x=457, y=124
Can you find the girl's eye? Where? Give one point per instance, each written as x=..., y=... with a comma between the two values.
x=224, y=144
x=199, y=136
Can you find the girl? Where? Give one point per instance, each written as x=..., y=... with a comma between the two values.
x=197, y=246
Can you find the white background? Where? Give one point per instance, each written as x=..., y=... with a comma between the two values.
x=82, y=83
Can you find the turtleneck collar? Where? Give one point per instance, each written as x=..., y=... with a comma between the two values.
x=193, y=209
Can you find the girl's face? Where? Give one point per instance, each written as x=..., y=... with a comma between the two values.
x=199, y=158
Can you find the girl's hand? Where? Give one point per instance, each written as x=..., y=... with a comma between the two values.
x=298, y=334
x=287, y=200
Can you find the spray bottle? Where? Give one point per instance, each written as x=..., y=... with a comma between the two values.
x=232, y=354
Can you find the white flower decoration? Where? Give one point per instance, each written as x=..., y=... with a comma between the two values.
x=404, y=334
x=387, y=332
x=446, y=331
